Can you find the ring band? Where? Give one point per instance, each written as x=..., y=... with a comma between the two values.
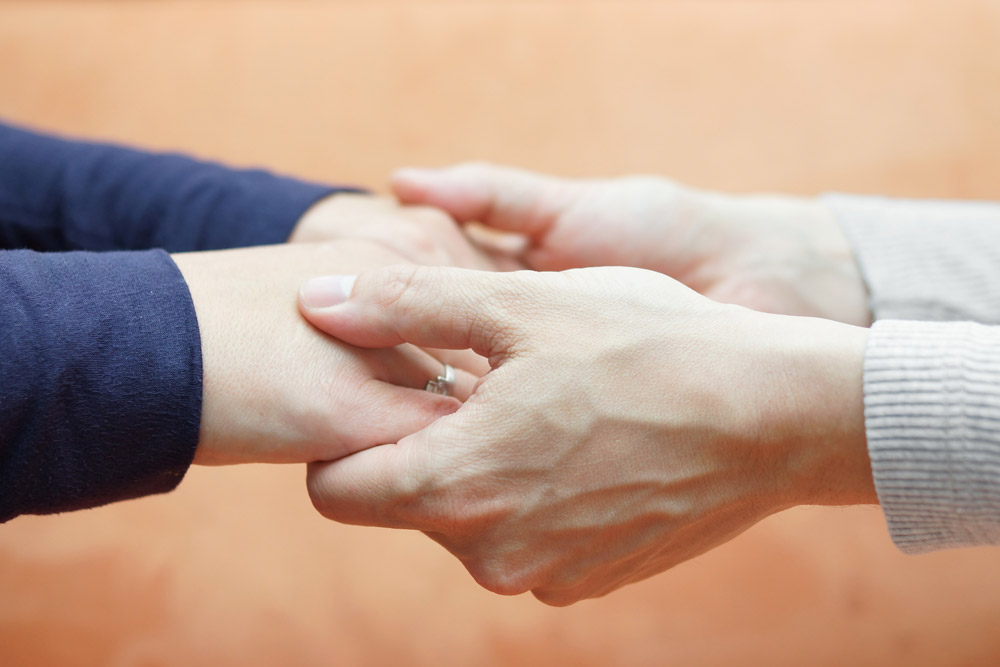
x=444, y=383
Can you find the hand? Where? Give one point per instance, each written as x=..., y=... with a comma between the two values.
x=770, y=253
x=627, y=424
x=421, y=234
x=278, y=391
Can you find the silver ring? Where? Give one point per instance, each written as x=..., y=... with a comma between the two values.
x=444, y=383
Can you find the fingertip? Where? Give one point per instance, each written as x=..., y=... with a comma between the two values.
x=462, y=191
x=351, y=489
x=325, y=303
x=322, y=302
x=412, y=410
x=347, y=323
x=446, y=408
x=318, y=489
x=326, y=291
x=411, y=185
x=465, y=384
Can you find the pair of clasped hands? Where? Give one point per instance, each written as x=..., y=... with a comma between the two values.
x=645, y=370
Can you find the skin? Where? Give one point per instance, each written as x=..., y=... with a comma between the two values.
x=627, y=423
x=278, y=391
x=776, y=254
x=419, y=234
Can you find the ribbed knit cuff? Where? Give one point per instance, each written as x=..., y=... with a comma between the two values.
x=925, y=260
x=932, y=416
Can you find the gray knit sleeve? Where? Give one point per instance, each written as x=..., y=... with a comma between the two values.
x=932, y=389
x=925, y=260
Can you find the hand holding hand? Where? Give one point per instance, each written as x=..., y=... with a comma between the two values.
x=278, y=391
x=627, y=424
x=770, y=253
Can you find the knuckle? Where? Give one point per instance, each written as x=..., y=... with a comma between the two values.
x=502, y=580
x=515, y=303
x=409, y=499
x=397, y=287
x=414, y=241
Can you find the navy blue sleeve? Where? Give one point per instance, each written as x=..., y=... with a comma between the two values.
x=101, y=372
x=57, y=194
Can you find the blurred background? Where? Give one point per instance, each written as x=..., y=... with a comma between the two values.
x=900, y=97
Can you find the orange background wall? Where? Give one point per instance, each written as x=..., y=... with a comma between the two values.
x=900, y=97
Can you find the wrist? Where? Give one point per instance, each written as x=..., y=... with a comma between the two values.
x=841, y=286
x=780, y=254
x=816, y=415
x=198, y=278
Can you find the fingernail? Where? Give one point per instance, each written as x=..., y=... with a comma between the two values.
x=326, y=291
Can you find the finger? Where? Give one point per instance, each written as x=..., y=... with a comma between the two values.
x=380, y=413
x=466, y=360
x=598, y=584
x=500, y=197
x=381, y=486
x=355, y=489
x=495, y=240
x=425, y=235
x=412, y=367
x=436, y=307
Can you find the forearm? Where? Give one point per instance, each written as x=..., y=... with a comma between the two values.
x=57, y=194
x=100, y=361
x=931, y=390
x=811, y=394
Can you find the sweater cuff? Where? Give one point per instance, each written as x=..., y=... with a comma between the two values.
x=925, y=260
x=932, y=418
x=100, y=357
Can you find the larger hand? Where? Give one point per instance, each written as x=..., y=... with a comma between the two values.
x=628, y=423
x=771, y=253
x=421, y=234
x=275, y=389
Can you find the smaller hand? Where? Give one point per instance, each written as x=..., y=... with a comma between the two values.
x=278, y=391
x=627, y=425
x=770, y=253
x=421, y=234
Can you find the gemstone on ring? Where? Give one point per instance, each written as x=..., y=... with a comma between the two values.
x=443, y=383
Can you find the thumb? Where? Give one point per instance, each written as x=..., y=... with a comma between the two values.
x=387, y=485
x=438, y=307
x=500, y=197
x=357, y=489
